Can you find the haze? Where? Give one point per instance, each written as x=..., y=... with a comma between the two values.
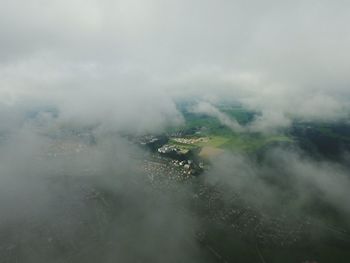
x=94, y=75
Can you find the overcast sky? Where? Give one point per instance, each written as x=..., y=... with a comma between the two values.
x=114, y=59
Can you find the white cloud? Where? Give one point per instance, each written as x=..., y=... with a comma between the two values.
x=284, y=59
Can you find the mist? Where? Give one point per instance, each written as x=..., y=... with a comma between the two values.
x=55, y=206
x=114, y=68
x=273, y=57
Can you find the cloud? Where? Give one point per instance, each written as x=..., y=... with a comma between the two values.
x=286, y=182
x=289, y=58
x=210, y=110
x=109, y=66
x=96, y=203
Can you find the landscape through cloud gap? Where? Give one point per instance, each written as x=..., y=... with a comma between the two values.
x=174, y=131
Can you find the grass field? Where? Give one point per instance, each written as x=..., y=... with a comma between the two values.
x=219, y=137
x=233, y=142
x=214, y=141
x=248, y=143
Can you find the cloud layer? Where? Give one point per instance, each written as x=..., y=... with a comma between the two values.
x=109, y=66
x=120, y=58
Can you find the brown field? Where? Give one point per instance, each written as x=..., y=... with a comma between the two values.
x=208, y=152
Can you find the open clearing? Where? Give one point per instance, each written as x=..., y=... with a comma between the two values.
x=208, y=152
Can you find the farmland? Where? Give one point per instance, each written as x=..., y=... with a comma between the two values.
x=203, y=131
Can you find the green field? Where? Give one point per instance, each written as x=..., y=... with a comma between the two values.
x=183, y=145
x=221, y=137
x=253, y=143
x=235, y=142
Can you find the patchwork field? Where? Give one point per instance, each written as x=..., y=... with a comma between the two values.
x=211, y=137
x=213, y=145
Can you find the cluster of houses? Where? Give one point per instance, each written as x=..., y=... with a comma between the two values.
x=187, y=164
x=173, y=150
x=168, y=149
x=191, y=140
